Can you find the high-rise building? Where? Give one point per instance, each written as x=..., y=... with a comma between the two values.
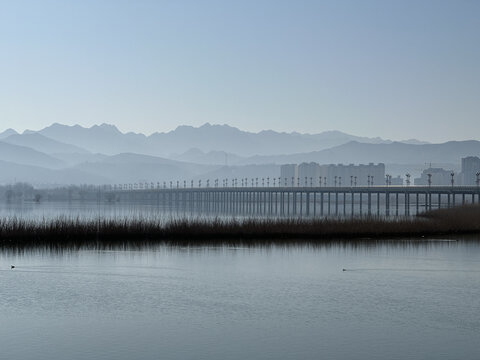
x=398, y=181
x=470, y=168
x=289, y=174
x=351, y=174
x=438, y=176
x=309, y=174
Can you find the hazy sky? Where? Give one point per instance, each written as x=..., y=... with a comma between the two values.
x=395, y=69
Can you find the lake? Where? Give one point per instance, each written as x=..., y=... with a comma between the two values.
x=396, y=300
x=92, y=209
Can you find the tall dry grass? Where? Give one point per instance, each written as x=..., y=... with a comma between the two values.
x=71, y=231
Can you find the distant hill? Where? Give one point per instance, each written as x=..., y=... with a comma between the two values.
x=37, y=175
x=107, y=139
x=208, y=138
x=212, y=157
x=128, y=167
x=61, y=154
x=28, y=156
x=393, y=153
x=44, y=144
x=70, y=159
x=7, y=133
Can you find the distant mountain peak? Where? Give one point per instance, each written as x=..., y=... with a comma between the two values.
x=414, y=142
x=334, y=132
x=57, y=125
x=181, y=127
x=106, y=126
x=10, y=130
x=193, y=151
x=208, y=126
x=107, y=139
x=8, y=133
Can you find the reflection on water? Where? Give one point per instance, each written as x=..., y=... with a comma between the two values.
x=83, y=210
x=88, y=210
x=396, y=300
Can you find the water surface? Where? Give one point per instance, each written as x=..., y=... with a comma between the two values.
x=399, y=300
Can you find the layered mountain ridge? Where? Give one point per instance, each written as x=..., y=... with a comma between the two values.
x=63, y=154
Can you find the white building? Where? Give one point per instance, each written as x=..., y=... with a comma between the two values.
x=289, y=174
x=470, y=168
x=438, y=176
x=308, y=174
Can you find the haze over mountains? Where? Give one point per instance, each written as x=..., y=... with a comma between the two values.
x=61, y=154
x=107, y=139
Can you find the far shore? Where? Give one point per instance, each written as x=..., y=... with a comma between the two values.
x=78, y=232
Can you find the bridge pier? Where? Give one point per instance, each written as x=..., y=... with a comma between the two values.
x=352, y=195
x=369, y=203
x=301, y=201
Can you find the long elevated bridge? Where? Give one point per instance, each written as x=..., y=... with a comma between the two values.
x=301, y=201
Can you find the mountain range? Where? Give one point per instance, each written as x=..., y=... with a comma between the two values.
x=107, y=139
x=62, y=154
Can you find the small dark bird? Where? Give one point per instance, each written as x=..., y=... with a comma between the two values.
x=12, y=267
x=344, y=269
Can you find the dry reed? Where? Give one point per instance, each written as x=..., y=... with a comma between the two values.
x=67, y=231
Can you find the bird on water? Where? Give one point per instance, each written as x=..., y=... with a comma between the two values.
x=12, y=267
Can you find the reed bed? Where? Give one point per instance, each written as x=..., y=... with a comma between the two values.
x=81, y=232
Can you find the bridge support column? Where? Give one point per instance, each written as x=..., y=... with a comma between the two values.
x=321, y=204
x=288, y=202
x=282, y=203
x=301, y=203
x=396, y=204
x=405, y=203
x=361, y=203
x=352, y=205
x=307, y=200
x=336, y=203
x=387, y=204
x=369, y=203
x=294, y=202
x=378, y=204
x=329, y=202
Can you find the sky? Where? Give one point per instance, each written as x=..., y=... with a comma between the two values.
x=394, y=69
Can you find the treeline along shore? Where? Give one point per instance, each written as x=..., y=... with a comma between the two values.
x=66, y=231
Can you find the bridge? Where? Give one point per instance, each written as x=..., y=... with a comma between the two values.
x=299, y=201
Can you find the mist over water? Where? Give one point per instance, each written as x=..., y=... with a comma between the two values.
x=150, y=211
x=396, y=300
x=90, y=210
